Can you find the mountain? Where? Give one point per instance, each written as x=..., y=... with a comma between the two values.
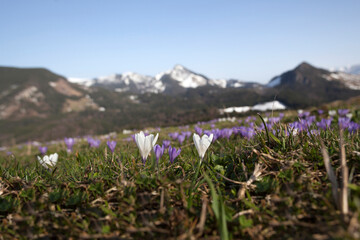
x=307, y=85
x=37, y=104
x=174, y=81
x=354, y=69
x=37, y=92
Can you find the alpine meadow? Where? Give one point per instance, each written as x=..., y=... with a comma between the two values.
x=179, y=120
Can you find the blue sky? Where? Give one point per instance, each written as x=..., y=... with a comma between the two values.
x=248, y=40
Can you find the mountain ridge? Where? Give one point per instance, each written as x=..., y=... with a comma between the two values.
x=39, y=104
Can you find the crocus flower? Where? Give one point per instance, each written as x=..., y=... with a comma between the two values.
x=304, y=114
x=332, y=112
x=166, y=144
x=226, y=133
x=111, y=145
x=173, y=153
x=94, y=143
x=159, y=151
x=69, y=143
x=248, y=132
x=324, y=123
x=216, y=134
x=43, y=150
x=48, y=162
x=198, y=130
x=320, y=111
x=353, y=127
x=202, y=144
x=344, y=122
x=174, y=135
x=181, y=138
x=145, y=144
x=187, y=134
x=343, y=112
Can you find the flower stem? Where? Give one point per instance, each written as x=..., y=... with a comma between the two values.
x=193, y=184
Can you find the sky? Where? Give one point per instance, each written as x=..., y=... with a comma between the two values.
x=246, y=40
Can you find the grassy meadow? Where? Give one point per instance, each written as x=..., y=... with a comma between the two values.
x=294, y=178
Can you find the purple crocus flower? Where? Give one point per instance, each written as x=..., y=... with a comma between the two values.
x=248, y=133
x=43, y=150
x=94, y=143
x=344, y=122
x=353, y=127
x=216, y=134
x=324, y=123
x=111, y=145
x=159, y=151
x=173, y=153
x=226, y=133
x=304, y=114
x=181, y=139
x=343, y=112
x=274, y=120
x=198, y=130
x=207, y=132
x=166, y=144
x=133, y=137
x=187, y=134
x=69, y=143
x=174, y=135
x=320, y=111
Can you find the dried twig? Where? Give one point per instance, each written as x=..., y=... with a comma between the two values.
x=249, y=211
x=254, y=176
x=201, y=223
x=340, y=195
x=345, y=177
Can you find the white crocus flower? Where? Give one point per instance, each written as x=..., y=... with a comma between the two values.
x=202, y=144
x=332, y=112
x=48, y=161
x=145, y=144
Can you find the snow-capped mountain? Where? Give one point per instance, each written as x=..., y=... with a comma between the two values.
x=354, y=69
x=351, y=81
x=185, y=77
x=175, y=80
x=130, y=81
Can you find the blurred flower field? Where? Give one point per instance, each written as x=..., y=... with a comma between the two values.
x=279, y=175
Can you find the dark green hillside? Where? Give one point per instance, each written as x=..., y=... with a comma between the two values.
x=307, y=86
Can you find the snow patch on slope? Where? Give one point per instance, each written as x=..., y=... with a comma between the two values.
x=273, y=83
x=273, y=105
x=351, y=81
x=81, y=81
x=354, y=69
x=218, y=82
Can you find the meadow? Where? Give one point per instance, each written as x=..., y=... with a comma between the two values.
x=276, y=175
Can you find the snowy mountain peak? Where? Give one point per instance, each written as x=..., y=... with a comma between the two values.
x=187, y=78
x=179, y=67
x=179, y=75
